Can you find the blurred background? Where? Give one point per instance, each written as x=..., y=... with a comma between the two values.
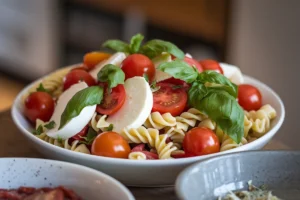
x=259, y=36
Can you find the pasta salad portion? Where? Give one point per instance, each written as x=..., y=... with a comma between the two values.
x=147, y=101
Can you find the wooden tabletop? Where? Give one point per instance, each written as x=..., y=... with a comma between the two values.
x=14, y=144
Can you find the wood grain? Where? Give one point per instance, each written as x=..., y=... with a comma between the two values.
x=14, y=144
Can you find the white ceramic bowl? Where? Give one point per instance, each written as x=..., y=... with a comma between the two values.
x=149, y=172
x=87, y=183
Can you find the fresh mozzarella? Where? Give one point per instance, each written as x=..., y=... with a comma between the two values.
x=233, y=73
x=188, y=55
x=137, y=105
x=160, y=75
x=115, y=59
x=76, y=124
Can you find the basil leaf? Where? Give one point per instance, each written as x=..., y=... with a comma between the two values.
x=117, y=45
x=91, y=135
x=59, y=139
x=38, y=131
x=154, y=48
x=135, y=43
x=86, y=97
x=196, y=93
x=217, y=80
x=222, y=108
x=180, y=69
x=111, y=74
x=50, y=125
x=41, y=88
x=146, y=77
x=110, y=127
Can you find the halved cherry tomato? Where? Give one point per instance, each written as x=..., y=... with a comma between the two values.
x=112, y=101
x=81, y=134
x=201, y=141
x=249, y=97
x=110, y=144
x=138, y=65
x=211, y=65
x=193, y=62
x=177, y=82
x=39, y=105
x=169, y=99
x=93, y=58
x=75, y=76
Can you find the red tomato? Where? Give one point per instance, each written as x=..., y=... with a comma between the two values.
x=211, y=65
x=249, y=97
x=110, y=144
x=138, y=65
x=75, y=76
x=167, y=99
x=181, y=155
x=81, y=67
x=81, y=134
x=193, y=62
x=39, y=105
x=141, y=148
x=113, y=101
x=201, y=141
x=177, y=82
x=93, y=58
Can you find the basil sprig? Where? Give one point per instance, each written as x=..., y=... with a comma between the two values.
x=50, y=125
x=151, y=49
x=213, y=94
x=111, y=74
x=90, y=136
x=86, y=97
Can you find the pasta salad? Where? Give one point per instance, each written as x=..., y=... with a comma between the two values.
x=146, y=101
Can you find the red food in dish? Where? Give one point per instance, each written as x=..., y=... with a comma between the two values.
x=249, y=97
x=93, y=58
x=211, y=65
x=76, y=76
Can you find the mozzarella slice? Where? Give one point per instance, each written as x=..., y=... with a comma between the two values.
x=137, y=106
x=77, y=123
x=160, y=75
x=233, y=73
x=115, y=59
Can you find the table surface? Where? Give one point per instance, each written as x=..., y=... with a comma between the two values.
x=14, y=144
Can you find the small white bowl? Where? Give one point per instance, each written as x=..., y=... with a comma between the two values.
x=87, y=183
x=149, y=172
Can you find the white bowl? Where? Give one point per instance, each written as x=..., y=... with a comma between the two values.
x=87, y=183
x=149, y=172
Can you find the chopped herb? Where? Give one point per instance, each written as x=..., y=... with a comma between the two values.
x=41, y=88
x=50, y=125
x=154, y=87
x=110, y=127
x=38, y=131
x=91, y=135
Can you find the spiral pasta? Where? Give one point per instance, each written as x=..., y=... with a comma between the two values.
x=189, y=119
x=137, y=156
x=208, y=123
x=159, y=121
x=176, y=135
x=228, y=143
x=152, y=137
x=247, y=125
x=98, y=122
x=75, y=146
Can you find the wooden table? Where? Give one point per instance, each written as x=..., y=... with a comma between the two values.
x=13, y=144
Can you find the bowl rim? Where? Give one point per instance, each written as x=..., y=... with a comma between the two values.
x=159, y=162
x=77, y=168
x=185, y=173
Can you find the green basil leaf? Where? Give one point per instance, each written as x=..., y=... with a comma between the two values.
x=154, y=48
x=222, y=108
x=41, y=88
x=180, y=69
x=110, y=127
x=135, y=43
x=86, y=97
x=111, y=74
x=91, y=135
x=50, y=125
x=196, y=93
x=38, y=131
x=59, y=139
x=217, y=80
x=117, y=45
x=146, y=77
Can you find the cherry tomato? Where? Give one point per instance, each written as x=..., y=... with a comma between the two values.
x=81, y=134
x=93, y=58
x=81, y=67
x=75, y=76
x=193, y=62
x=201, y=141
x=39, y=105
x=169, y=99
x=249, y=97
x=211, y=65
x=177, y=82
x=113, y=101
x=110, y=144
x=149, y=155
x=138, y=65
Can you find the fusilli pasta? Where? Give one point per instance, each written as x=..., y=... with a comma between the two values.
x=189, y=119
x=208, y=123
x=159, y=121
x=152, y=137
x=98, y=122
x=228, y=143
x=137, y=156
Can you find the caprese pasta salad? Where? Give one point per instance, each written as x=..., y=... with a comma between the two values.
x=146, y=101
